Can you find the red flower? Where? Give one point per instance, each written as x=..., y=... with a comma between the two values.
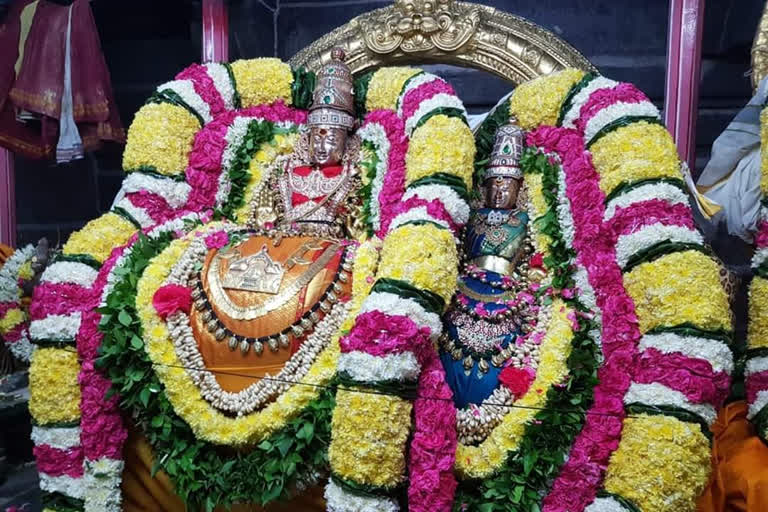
x=518, y=381
x=172, y=298
x=217, y=240
x=537, y=261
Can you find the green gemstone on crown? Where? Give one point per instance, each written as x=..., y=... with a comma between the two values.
x=326, y=99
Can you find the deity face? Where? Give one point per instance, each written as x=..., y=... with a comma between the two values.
x=326, y=145
x=501, y=192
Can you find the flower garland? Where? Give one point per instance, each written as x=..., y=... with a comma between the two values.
x=14, y=323
x=756, y=375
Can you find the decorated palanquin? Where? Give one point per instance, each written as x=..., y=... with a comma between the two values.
x=326, y=290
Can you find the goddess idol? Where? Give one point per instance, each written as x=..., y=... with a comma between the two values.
x=273, y=310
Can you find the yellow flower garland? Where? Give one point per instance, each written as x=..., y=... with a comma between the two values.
x=635, y=152
x=538, y=202
x=764, y=152
x=538, y=101
x=432, y=262
x=282, y=144
x=100, y=236
x=363, y=275
x=160, y=137
x=662, y=464
x=758, y=313
x=442, y=144
x=54, y=394
x=482, y=460
x=369, y=436
x=25, y=271
x=678, y=288
x=206, y=422
x=12, y=318
x=263, y=80
x=385, y=87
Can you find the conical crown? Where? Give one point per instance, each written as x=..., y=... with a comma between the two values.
x=333, y=101
x=507, y=150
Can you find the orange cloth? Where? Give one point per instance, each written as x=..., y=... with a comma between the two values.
x=238, y=370
x=142, y=492
x=739, y=481
x=5, y=253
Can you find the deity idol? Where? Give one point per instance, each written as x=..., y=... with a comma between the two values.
x=488, y=349
x=264, y=309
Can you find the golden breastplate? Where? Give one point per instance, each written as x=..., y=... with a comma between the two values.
x=263, y=300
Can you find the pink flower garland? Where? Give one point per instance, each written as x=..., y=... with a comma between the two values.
x=761, y=237
x=433, y=445
x=654, y=211
x=413, y=98
x=393, y=186
x=205, y=158
x=102, y=432
x=56, y=299
x=55, y=462
x=577, y=484
x=153, y=204
x=204, y=87
x=604, y=98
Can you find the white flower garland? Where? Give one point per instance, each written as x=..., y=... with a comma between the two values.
x=660, y=395
x=442, y=100
x=645, y=237
x=339, y=500
x=564, y=215
x=66, y=485
x=102, y=485
x=174, y=192
x=364, y=367
x=138, y=213
x=396, y=305
x=222, y=83
x=70, y=272
x=755, y=365
x=376, y=135
x=761, y=400
x=760, y=256
x=578, y=101
x=614, y=112
x=420, y=213
x=658, y=190
x=186, y=91
x=712, y=350
x=56, y=327
x=414, y=82
x=61, y=438
x=9, y=274
x=456, y=207
x=22, y=349
x=605, y=505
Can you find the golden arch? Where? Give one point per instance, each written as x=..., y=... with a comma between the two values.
x=446, y=32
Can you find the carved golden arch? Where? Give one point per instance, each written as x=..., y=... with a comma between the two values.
x=760, y=50
x=446, y=32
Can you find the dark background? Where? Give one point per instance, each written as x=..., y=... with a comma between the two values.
x=146, y=42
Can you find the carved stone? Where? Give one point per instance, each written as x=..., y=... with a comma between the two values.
x=760, y=51
x=446, y=32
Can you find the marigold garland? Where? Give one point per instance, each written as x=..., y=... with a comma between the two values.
x=385, y=87
x=764, y=153
x=432, y=258
x=633, y=153
x=263, y=81
x=160, y=138
x=441, y=144
x=676, y=473
x=679, y=288
x=366, y=452
x=757, y=329
x=538, y=102
x=55, y=396
x=100, y=236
